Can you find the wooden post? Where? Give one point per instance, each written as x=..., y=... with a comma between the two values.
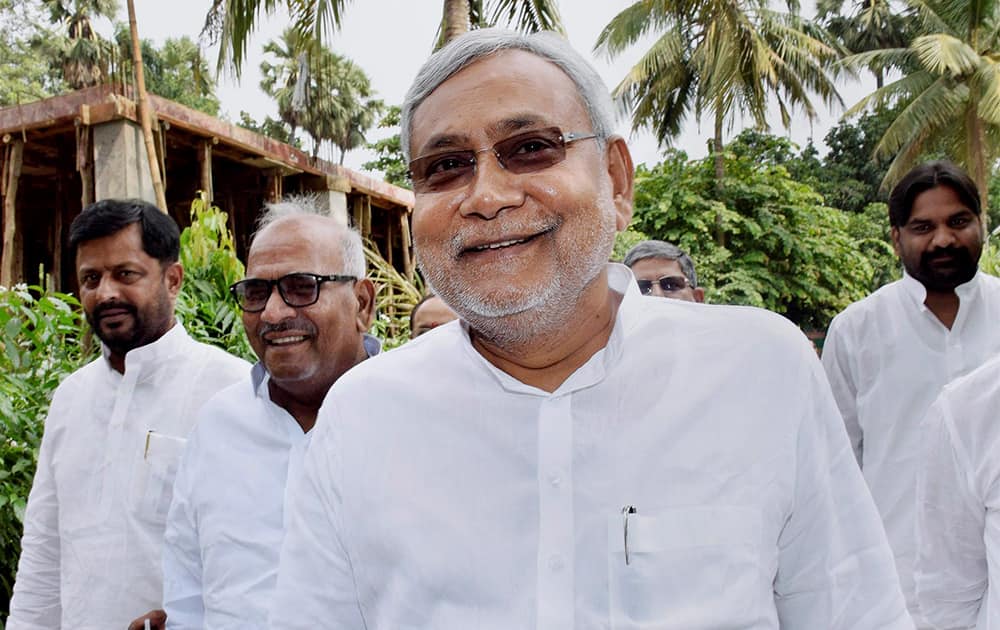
x=275, y=185
x=205, y=164
x=388, y=242
x=366, y=212
x=85, y=163
x=144, y=117
x=11, y=175
x=406, y=244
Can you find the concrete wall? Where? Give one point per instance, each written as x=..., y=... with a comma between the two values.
x=120, y=167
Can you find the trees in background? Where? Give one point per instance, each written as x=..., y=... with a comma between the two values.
x=723, y=59
x=330, y=98
x=389, y=153
x=949, y=94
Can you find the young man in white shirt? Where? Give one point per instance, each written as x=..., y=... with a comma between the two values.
x=958, y=489
x=93, y=526
x=889, y=355
x=570, y=455
x=306, y=308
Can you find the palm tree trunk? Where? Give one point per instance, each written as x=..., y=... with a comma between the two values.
x=456, y=19
x=720, y=174
x=977, y=151
x=144, y=118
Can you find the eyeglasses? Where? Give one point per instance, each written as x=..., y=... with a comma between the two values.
x=526, y=152
x=296, y=289
x=669, y=284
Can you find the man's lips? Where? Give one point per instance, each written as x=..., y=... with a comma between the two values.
x=502, y=243
x=284, y=340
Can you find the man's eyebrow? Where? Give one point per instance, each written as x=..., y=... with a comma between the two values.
x=495, y=130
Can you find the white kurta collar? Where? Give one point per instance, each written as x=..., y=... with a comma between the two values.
x=167, y=345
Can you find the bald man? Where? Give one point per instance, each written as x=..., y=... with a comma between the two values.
x=306, y=309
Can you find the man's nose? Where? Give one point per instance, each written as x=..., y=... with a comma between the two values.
x=275, y=308
x=492, y=189
x=944, y=236
x=107, y=290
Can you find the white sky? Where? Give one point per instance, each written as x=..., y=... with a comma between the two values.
x=390, y=39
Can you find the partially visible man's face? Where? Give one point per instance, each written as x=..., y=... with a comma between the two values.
x=307, y=348
x=941, y=242
x=506, y=243
x=431, y=314
x=652, y=269
x=127, y=295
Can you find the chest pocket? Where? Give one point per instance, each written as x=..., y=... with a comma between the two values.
x=688, y=569
x=154, y=484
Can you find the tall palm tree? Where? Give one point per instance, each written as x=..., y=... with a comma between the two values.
x=231, y=22
x=950, y=99
x=722, y=58
x=280, y=78
x=873, y=25
x=83, y=53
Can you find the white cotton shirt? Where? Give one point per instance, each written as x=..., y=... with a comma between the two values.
x=463, y=498
x=93, y=527
x=958, y=509
x=887, y=358
x=226, y=522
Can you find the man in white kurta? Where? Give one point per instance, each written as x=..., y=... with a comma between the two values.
x=958, y=494
x=227, y=519
x=571, y=454
x=93, y=527
x=889, y=355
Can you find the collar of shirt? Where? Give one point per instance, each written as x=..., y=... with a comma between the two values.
x=918, y=292
x=622, y=282
x=169, y=343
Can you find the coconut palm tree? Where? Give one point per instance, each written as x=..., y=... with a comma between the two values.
x=280, y=77
x=83, y=53
x=723, y=58
x=873, y=25
x=230, y=22
x=950, y=97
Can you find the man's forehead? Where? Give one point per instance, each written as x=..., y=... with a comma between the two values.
x=536, y=92
x=295, y=243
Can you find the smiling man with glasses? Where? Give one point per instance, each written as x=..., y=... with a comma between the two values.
x=571, y=455
x=663, y=270
x=306, y=309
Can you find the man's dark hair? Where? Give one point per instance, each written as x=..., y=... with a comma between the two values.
x=666, y=251
x=922, y=178
x=161, y=238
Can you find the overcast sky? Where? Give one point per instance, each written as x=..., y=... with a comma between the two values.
x=390, y=39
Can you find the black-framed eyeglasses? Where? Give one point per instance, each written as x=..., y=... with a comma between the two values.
x=526, y=152
x=296, y=289
x=669, y=284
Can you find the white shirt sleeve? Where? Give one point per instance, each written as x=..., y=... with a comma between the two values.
x=835, y=567
x=182, y=570
x=316, y=586
x=951, y=573
x=837, y=363
x=36, y=601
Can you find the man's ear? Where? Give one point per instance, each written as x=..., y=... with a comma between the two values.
x=894, y=232
x=364, y=291
x=622, y=174
x=699, y=295
x=173, y=274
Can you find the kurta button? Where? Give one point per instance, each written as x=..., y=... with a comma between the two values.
x=556, y=563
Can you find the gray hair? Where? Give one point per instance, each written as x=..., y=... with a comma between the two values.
x=480, y=43
x=665, y=250
x=351, y=247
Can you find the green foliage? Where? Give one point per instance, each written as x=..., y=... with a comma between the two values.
x=176, y=71
x=25, y=73
x=42, y=341
x=210, y=267
x=785, y=250
x=990, y=260
x=625, y=241
x=270, y=127
x=389, y=154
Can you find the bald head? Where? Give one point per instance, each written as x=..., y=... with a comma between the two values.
x=311, y=231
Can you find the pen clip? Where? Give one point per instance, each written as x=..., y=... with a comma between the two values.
x=626, y=510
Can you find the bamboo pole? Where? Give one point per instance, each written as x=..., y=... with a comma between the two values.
x=11, y=175
x=144, y=118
